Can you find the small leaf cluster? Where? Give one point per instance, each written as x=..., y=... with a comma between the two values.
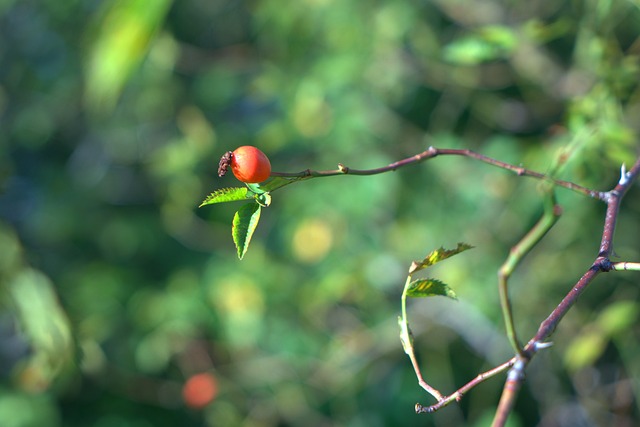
x=427, y=287
x=245, y=220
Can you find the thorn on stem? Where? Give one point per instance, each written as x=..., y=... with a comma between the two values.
x=542, y=345
x=624, y=175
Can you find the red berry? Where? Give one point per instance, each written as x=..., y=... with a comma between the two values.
x=200, y=390
x=250, y=165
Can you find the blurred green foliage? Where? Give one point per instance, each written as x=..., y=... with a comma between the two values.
x=115, y=288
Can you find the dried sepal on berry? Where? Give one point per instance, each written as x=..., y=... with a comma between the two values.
x=225, y=163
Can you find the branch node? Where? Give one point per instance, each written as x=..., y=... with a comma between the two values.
x=516, y=373
x=608, y=195
x=605, y=265
x=342, y=168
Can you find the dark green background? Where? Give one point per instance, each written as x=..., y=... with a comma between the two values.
x=116, y=288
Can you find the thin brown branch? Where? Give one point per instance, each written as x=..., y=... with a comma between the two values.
x=511, y=388
x=520, y=171
x=432, y=391
x=457, y=395
x=432, y=152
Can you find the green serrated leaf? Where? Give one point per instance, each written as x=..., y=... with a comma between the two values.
x=428, y=288
x=245, y=222
x=436, y=256
x=227, y=195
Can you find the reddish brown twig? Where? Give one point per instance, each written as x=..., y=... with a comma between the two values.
x=457, y=395
x=602, y=263
x=432, y=152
